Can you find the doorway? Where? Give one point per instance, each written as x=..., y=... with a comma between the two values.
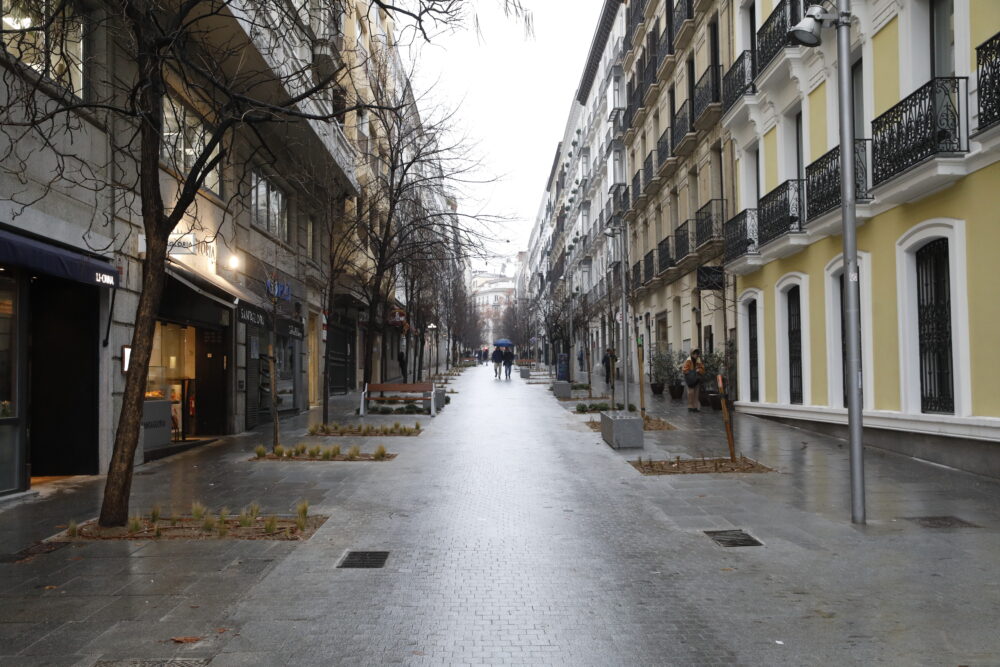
x=62, y=378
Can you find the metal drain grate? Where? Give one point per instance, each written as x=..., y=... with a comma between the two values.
x=169, y=662
x=940, y=522
x=365, y=559
x=733, y=538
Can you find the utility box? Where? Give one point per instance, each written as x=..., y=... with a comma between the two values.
x=562, y=389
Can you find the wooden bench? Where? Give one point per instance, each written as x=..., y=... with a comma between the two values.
x=425, y=389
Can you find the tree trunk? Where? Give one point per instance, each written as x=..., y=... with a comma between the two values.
x=114, y=508
x=373, y=301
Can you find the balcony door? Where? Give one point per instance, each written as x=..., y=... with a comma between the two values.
x=794, y=314
x=942, y=36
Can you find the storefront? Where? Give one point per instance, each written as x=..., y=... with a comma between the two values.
x=288, y=364
x=189, y=366
x=49, y=371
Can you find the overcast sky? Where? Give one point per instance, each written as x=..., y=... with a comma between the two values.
x=513, y=94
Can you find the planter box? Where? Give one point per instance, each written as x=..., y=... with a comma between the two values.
x=439, y=395
x=622, y=429
x=562, y=389
x=525, y=373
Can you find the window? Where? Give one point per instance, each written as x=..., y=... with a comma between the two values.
x=934, y=328
x=184, y=138
x=56, y=51
x=800, y=163
x=794, y=346
x=858, y=95
x=268, y=207
x=942, y=38
x=753, y=352
x=312, y=238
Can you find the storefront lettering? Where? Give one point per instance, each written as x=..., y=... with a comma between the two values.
x=252, y=317
x=104, y=278
x=187, y=244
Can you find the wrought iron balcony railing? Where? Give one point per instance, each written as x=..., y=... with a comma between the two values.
x=682, y=241
x=636, y=187
x=781, y=211
x=823, y=179
x=738, y=81
x=623, y=204
x=636, y=274
x=681, y=123
x=666, y=260
x=740, y=235
x=647, y=169
x=683, y=11
x=773, y=35
x=666, y=45
x=930, y=121
x=663, y=148
x=988, y=81
x=706, y=91
x=648, y=266
x=708, y=222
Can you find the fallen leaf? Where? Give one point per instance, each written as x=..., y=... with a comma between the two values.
x=727, y=569
x=186, y=640
x=51, y=588
x=221, y=630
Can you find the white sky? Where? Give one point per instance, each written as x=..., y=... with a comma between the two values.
x=513, y=94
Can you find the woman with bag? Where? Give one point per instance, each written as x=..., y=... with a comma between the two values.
x=693, y=370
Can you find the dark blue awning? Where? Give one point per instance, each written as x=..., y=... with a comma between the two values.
x=55, y=261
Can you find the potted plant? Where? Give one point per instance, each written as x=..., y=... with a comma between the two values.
x=673, y=376
x=714, y=366
x=659, y=371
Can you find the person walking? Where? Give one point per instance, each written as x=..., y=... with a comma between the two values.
x=497, y=359
x=401, y=358
x=508, y=361
x=608, y=361
x=579, y=360
x=693, y=371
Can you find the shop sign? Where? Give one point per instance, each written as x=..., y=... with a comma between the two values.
x=291, y=328
x=277, y=290
x=187, y=244
x=251, y=315
x=396, y=317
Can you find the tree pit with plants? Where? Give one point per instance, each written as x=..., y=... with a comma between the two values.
x=589, y=398
x=365, y=430
x=585, y=408
x=201, y=524
x=680, y=466
x=302, y=452
x=648, y=424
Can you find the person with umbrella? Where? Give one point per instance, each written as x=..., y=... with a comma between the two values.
x=508, y=361
x=497, y=359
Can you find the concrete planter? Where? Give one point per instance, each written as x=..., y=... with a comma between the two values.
x=622, y=429
x=439, y=395
x=525, y=373
x=562, y=389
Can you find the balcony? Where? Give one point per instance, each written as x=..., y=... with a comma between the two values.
x=707, y=99
x=650, y=176
x=666, y=259
x=683, y=250
x=738, y=81
x=651, y=84
x=665, y=59
x=823, y=180
x=931, y=122
x=988, y=80
x=648, y=267
x=781, y=211
x=740, y=236
x=666, y=163
x=708, y=227
x=772, y=37
x=636, y=275
x=637, y=198
x=682, y=133
x=683, y=22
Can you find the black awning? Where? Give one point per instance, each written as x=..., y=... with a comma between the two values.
x=55, y=261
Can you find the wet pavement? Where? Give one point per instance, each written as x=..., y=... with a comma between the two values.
x=516, y=536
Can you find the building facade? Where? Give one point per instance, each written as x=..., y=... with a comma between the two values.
x=926, y=88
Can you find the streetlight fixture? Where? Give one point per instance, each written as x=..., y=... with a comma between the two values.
x=807, y=32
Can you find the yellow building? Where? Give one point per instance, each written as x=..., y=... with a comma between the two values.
x=926, y=83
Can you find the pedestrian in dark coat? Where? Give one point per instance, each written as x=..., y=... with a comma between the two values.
x=497, y=359
x=608, y=361
x=508, y=361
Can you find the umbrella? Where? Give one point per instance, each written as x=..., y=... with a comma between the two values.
x=503, y=342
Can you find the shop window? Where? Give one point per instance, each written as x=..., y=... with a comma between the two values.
x=172, y=370
x=269, y=207
x=184, y=138
x=934, y=328
x=50, y=45
x=8, y=356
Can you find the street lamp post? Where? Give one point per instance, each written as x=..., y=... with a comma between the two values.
x=619, y=231
x=807, y=33
x=433, y=329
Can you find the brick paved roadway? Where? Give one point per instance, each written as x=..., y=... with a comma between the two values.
x=517, y=536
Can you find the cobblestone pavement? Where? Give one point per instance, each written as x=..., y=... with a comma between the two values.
x=517, y=537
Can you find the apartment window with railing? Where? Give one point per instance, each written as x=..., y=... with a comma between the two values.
x=794, y=332
x=937, y=392
x=185, y=136
x=51, y=45
x=268, y=207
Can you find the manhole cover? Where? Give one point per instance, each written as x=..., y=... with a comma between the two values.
x=32, y=551
x=366, y=559
x=940, y=522
x=733, y=538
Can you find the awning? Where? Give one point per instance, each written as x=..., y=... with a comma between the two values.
x=55, y=261
x=214, y=286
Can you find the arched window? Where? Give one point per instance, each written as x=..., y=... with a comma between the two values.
x=937, y=390
x=793, y=330
x=753, y=351
x=792, y=343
